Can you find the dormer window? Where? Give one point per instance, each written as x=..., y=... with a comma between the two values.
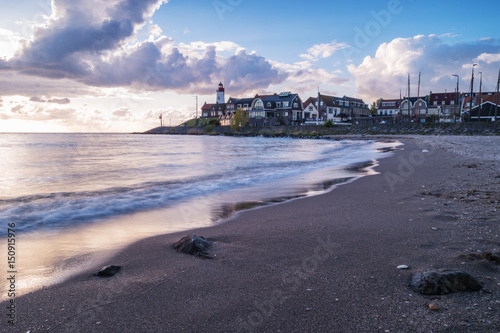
x=268, y=104
x=278, y=104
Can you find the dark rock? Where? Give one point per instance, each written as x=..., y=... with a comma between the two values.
x=194, y=245
x=491, y=257
x=108, y=271
x=442, y=283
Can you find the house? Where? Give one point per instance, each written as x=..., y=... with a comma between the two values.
x=477, y=99
x=330, y=108
x=232, y=105
x=275, y=110
x=487, y=111
x=388, y=107
x=206, y=109
x=413, y=109
x=445, y=106
x=310, y=110
x=358, y=107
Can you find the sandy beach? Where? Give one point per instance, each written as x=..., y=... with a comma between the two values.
x=326, y=263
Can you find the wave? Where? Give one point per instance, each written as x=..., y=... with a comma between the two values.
x=65, y=209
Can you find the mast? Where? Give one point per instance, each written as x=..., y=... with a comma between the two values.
x=417, y=112
x=409, y=111
x=318, y=107
x=471, y=92
x=399, y=107
x=498, y=86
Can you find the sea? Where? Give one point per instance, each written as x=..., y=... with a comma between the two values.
x=71, y=201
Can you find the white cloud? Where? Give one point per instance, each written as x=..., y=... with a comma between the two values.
x=385, y=74
x=94, y=43
x=321, y=51
x=488, y=58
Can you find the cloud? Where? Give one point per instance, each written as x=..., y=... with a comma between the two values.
x=122, y=114
x=488, y=58
x=385, y=74
x=321, y=51
x=54, y=100
x=92, y=43
x=303, y=77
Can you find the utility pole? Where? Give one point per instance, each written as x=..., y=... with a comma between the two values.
x=196, y=107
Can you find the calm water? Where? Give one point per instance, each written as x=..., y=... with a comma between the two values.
x=76, y=198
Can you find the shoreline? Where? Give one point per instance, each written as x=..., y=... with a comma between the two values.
x=81, y=247
x=268, y=273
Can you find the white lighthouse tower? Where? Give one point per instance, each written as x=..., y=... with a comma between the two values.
x=220, y=94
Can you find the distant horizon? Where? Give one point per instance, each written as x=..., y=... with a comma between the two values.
x=75, y=66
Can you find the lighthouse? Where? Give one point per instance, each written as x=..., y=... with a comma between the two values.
x=220, y=94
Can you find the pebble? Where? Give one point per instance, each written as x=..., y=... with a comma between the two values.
x=434, y=307
x=403, y=267
x=434, y=228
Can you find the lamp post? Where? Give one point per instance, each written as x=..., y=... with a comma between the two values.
x=458, y=97
x=480, y=98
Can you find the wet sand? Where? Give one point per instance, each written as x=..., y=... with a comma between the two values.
x=318, y=264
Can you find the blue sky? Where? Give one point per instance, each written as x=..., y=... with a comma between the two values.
x=116, y=65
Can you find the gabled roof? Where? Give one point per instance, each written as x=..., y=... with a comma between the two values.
x=207, y=106
x=387, y=107
x=329, y=100
x=488, y=109
x=274, y=99
x=353, y=99
x=309, y=101
x=414, y=99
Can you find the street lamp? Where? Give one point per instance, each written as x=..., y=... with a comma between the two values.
x=458, y=97
x=480, y=98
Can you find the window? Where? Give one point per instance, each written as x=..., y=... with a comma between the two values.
x=452, y=102
x=278, y=104
x=295, y=105
x=268, y=104
x=435, y=103
x=285, y=114
x=310, y=108
x=239, y=106
x=258, y=105
x=286, y=104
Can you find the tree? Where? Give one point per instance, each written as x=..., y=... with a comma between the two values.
x=374, y=107
x=240, y=119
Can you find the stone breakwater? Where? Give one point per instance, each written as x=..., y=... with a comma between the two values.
x=482, y=129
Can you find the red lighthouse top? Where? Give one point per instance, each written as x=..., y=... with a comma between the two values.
x=221, y=87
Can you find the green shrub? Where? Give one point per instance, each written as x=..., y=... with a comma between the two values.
x=328, y=123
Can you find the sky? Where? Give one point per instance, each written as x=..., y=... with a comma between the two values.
x=116, y=65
